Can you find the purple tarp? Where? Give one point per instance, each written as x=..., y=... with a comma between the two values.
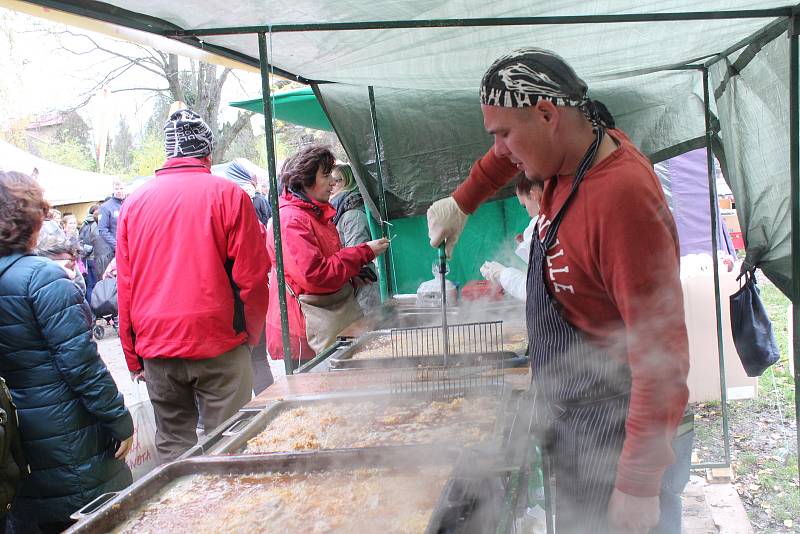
x=686, y=178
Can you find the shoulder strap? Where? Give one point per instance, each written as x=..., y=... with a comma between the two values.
x=583, y=167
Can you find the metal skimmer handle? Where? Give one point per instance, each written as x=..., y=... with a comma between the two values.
x=443, y=272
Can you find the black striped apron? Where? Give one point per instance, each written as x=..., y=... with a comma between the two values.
x=584, y=388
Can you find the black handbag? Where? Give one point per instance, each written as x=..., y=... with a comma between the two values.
x=751, y=327
x=104, y=298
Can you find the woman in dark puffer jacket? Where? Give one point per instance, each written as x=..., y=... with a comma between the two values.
x=73, y=423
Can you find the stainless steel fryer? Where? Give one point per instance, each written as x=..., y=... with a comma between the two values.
x=450, y=514
x=233, y=438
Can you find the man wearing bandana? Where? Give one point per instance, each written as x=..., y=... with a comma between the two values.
x=608, y=344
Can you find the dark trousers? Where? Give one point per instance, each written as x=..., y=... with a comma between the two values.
x=222, y=385
x=584, y=444
x=672, y=484
x=262, y=374
x=91, y=279
x=13, y=524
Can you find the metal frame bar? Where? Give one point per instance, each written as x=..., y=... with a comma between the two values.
x=484, y=21
x=370, y=208
x=762, y=34
x=374, y=233
x=794, y=188
x=713, y=207
x=273, y=200
x=319, y=358
x=387, y=284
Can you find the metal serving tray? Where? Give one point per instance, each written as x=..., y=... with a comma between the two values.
x=234, y=437
x=343, y=358
x=450, y=514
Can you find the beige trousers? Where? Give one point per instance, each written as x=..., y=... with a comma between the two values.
x=220, y=386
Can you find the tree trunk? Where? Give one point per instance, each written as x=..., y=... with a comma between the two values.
x=225, y=142
x=173, y=76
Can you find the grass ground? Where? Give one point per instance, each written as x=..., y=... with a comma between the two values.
x=763, y=435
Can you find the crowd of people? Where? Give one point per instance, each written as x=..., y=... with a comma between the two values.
x=73, y=425
x=197, y=338
x=612, y=379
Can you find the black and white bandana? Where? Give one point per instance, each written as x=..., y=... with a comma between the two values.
x=525, y=76
x=522, y=77
x=186, y=135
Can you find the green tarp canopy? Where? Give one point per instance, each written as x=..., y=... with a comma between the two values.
x=299, y=106
x=491, y=229
x=425, y=59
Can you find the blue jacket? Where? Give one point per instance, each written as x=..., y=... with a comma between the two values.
x=71, y=415
x=107, y=226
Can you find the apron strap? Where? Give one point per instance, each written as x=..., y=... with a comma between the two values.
x=583, y=167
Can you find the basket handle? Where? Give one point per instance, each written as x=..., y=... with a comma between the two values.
x=93, y=505
x=237, y=427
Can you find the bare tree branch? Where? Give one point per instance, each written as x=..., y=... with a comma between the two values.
x=222, y=148
x=173, y=76
x=236, y=77
x=139, y=61
x=202, y=83
x=154, y=89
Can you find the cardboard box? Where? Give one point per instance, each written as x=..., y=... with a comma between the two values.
x=732, y=222
x=701, y=325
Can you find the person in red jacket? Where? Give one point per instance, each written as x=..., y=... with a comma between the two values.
x=192, y=287
x=314, y=260
x=608, y=343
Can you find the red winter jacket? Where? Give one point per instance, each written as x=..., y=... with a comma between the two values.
x=187, y=241
x=314, y=263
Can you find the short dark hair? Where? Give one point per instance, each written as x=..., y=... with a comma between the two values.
x=524, y=184
x=24, y=208
x=300, y=170
x=51, y=245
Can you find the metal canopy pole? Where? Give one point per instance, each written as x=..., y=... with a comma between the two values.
x=387, y=286
x=273, y=200
x=375, y=233
x=488, y=21
x=794, y=189
x=712, y=200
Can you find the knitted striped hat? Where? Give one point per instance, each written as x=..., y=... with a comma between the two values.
x=186, y=135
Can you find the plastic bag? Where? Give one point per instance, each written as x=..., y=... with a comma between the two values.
x=752, y=329
x=143, y=456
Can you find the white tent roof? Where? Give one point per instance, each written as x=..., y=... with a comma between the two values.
x=62, y=185
x=456, y=58
x=433, y=58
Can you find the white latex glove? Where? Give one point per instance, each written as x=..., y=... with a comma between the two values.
x=491, y=270
x=445, y=223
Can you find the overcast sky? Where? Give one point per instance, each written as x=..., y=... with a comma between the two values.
x=38, y=76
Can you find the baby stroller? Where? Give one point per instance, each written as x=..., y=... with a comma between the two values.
x=104, y=307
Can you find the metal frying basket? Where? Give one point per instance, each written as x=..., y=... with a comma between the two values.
x=447, y=383
x=444, y=382
x=467, y=338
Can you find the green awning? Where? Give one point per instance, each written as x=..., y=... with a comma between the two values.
x=299, y=106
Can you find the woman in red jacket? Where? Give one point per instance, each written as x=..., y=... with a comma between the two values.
x=313, y=258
